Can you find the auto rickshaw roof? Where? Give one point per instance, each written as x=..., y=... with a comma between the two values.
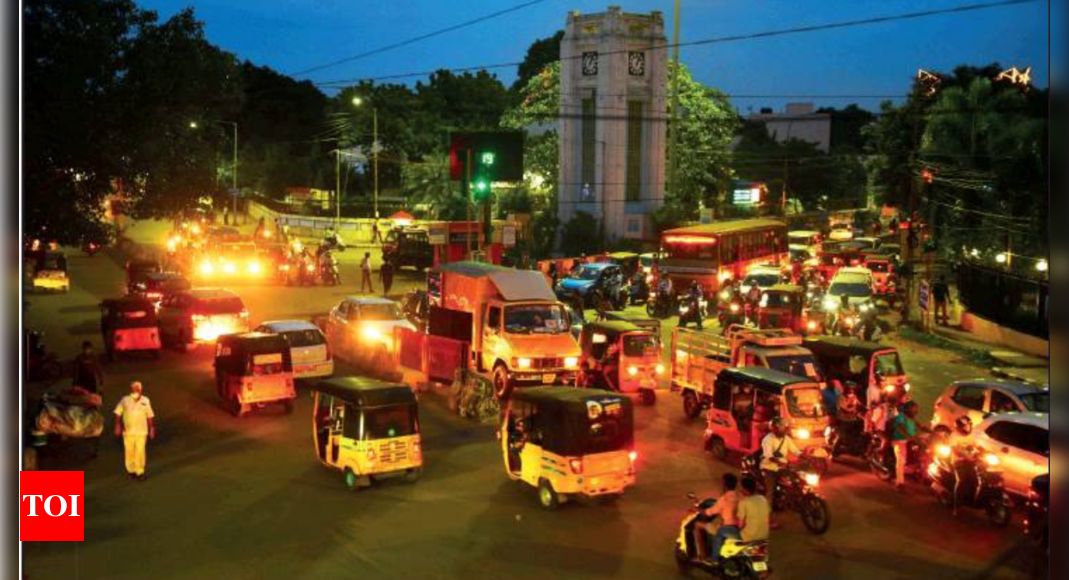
x=615, y=327
x=566, y=397
x=786, y=288
x=366, y=391
x=843, y=344
x=623, y=255
x=765, y=379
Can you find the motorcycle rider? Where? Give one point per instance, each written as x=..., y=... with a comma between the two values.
x=694, y=311
x=777, y=448
x=964, y=458
x=904, y=431
x=328, y=267
x=754, y=512
x=726, y=506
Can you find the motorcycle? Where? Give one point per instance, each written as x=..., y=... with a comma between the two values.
x=659, y=305
x=881, y=458
x=639, y=289
x=981, y=484
x=866, y=327
x=328, y=273
x=738, y=559
x=848, y=438
x=41, y=365
x=90, y=248
x=691, y=310
x=333, y=242
x=796, y=490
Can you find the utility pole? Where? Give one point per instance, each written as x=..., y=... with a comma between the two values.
x=673, y=126
x=337, y=187
x=467, y=198
x=375, y=147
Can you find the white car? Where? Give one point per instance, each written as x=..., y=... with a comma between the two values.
x=1021, y=441
x=764, y=277
x=854, y=283
x=978, y=398
x=309, y=350
x=841, y=233
x=361, y=328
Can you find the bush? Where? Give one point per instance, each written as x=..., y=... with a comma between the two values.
x=581, y=235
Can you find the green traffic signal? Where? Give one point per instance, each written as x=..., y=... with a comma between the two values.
x=480, y=190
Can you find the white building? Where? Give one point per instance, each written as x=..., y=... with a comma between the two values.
x=613, y=119
x=797, y=121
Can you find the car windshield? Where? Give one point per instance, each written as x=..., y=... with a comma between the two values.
x=761, y=280
x=307, y=337
x=587, y=273
x=878, y=266
x=851, y=289
x=535, y=319
x=228, y=305
x=799, y=365
x=1036, y=402
x=640, y=345
x=386, y=422
x=888, y=365
x=388, y=311
x=805, y=402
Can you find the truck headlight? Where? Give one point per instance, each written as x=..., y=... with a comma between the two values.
x=207, y=268
x=571, y=361
x=523, y=363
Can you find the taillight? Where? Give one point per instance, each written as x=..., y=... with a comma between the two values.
x=632, y=457
x=417, y=450
x=576, y=465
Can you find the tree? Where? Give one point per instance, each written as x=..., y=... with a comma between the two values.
x=581, y=235
x=427, y=184
x=540, y=54
x=539, y=108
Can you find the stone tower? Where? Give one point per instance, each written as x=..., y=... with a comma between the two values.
x=613, y=119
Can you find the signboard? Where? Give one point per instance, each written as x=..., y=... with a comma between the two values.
x=436, y=235
x=922, y=295
x=508, y=236
x=498, y=152
x=746, y=194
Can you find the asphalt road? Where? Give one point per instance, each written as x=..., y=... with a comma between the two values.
x=246, y=498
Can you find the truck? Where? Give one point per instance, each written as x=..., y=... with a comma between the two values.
x=518, y=332
x=699, y=356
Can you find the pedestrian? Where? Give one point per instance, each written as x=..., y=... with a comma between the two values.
x=831, y=397
x=134, y=422
x=365, y=274
x=226, y=216
x=904, y=431
x=386, y=275
x=87, y=372
x=376, y=234
x=941, y=295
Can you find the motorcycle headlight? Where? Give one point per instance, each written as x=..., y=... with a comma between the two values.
x=811, y=325
x=831, y=303
x=724, y=295
x=632, y=370
x=942, y=450
x=933, y=470
x=827, y=432
x=864, y=307
x=734, y=307
x=801, y=433
x=991, y=460
x=372, y=333
x=811, y=479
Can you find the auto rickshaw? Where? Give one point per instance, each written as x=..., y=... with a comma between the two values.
x=864, y=363
x=254, y=369
x=746, y=399
x=622, y=357
x=784, y=306
x=367, y=428
x=50, y=273
x=129, y=324
x=137, y=271
x=569, y=442
x=628, y=261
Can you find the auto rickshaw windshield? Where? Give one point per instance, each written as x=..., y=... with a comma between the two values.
x=799, y=365
x=888, y=364
x=805, y=402
x=386, y=422
x=637, y=345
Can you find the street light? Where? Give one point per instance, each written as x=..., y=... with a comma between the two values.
x=1041, y=265
x=357, y=102
x=1001, y=257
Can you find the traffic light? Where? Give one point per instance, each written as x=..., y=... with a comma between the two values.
x=483, y=174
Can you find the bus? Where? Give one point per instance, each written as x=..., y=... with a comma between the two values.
x=712, y=253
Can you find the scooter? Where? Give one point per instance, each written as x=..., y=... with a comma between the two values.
x=796, y=490
x=980, y=486
x=738, y=559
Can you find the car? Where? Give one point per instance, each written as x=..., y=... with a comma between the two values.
x=1021, y=442
x=361, y=328
x=855, y=283
x=408, y=247
x=764, y=277
x=978, y=398
x=200, y=315
x=309, y=350
x=594, y=282
x=841, y=232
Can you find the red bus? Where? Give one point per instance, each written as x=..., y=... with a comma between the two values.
x=711, y=253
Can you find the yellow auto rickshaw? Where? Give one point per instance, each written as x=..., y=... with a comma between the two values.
x=569, y=442
x=367, y=428
x=622, y=357
x=50, y=273
x=746, y=399
x=254, y=369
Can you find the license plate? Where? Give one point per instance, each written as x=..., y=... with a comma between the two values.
x=760, y=566
x=302, y=369
x=548, y=378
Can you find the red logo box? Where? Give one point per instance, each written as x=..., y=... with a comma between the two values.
x=51, y=506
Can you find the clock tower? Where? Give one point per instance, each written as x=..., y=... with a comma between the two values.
x=613, y=120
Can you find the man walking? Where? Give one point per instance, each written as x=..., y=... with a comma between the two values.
x=87, y=373
x=376, y=234
x=365, y=274
x=386, y=275
x=134, y=422
x=941, y=295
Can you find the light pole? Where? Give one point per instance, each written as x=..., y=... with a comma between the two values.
x=357, y=101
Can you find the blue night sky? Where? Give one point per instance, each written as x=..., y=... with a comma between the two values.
x=293, y=35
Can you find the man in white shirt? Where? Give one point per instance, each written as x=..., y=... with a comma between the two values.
x=365, y=274
x=753, y=511
x=776, y=450
x=134, y=421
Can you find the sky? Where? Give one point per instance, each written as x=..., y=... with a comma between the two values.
x=873, y=61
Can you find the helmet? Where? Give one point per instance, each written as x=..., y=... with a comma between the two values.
x=963, y=425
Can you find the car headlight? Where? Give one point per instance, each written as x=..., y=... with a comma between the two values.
x=523, y=363
x=660, y=369
x=229, y=268
x=372, y=333
x=571, y=361
x=811, y=479
x=632, y=370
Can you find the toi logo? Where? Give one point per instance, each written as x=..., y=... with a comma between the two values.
x=51, y=506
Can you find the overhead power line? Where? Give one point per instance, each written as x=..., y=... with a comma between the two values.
x=727, y=39
x=416, y=39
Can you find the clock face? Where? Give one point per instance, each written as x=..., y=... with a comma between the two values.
x=590, y=63
x=636, y=63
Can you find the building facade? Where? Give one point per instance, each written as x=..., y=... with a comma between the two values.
x=613, y=120
x=797, y=121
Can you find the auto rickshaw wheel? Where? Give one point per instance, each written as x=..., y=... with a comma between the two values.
x=609, y=498
x=691, y=407
x=718, y=448
x=287, y=406
x=546, y=495
x=352, y=482
x=682, y=560
x=412, y=475
x=647, y=397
